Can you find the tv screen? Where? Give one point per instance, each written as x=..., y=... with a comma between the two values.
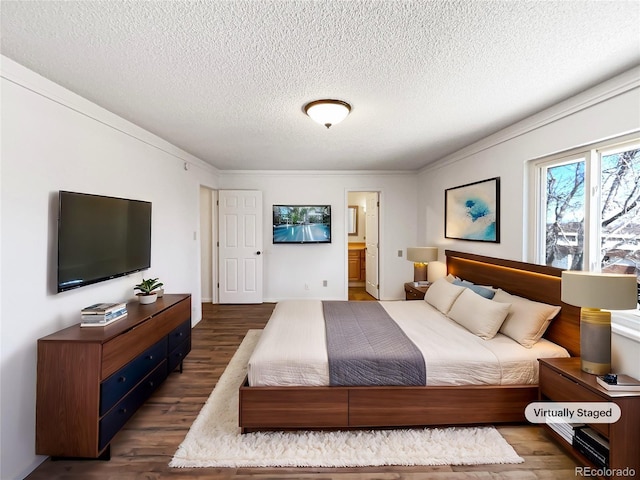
x=101, y=238
x=301, y=224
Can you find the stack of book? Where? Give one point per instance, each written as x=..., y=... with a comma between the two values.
x=592, y=445
x=565, y=429
x=101, y=314
x=620, y=383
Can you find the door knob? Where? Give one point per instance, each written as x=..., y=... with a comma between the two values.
x=258, y=252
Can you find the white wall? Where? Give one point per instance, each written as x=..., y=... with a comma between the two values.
x=54, y=140
x=287, y=268
x=606, y=111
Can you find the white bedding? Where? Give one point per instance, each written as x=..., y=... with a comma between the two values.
x=292, y=348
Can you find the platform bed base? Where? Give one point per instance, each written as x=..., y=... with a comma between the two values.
x=332, y=408
x=290, y=408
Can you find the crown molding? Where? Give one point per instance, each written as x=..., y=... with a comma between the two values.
x=25, y=78
x=602, y=92
x=317, y=173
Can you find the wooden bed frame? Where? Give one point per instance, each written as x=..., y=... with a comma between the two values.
x=296, y=408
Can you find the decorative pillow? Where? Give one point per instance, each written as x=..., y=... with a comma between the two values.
x=441, y=294
x=527, y=320
x=477, y=314
x=480, y=290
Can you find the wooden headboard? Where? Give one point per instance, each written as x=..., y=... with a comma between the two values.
x=535, y=282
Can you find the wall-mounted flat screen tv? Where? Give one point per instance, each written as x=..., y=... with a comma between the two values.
x=100, y=238
x=301, y=224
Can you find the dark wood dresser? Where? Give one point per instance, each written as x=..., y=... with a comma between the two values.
x=91, y=380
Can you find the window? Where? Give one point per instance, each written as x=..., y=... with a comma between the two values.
x=588, y=209
x=564, y=210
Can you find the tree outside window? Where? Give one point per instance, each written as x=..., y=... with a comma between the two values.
x=592, y=220
x=564, y=239
x=620, y=212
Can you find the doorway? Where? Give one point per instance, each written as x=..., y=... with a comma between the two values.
x=208, y=248
x=230, y=246
x=240, y=262
x=363, y=245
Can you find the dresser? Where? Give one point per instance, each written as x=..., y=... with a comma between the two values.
x=91, y=380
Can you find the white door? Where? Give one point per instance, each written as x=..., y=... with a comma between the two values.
x=240, y=246
x=371, y=218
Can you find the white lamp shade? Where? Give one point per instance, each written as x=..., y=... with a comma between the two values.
x=422, y=254
x=599, y=290
x=328, y=112
x=436, y=270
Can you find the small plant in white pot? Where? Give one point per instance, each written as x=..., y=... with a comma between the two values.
x=147, y=294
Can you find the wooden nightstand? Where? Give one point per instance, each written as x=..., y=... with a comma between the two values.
x=413, y=292
x=561, y=380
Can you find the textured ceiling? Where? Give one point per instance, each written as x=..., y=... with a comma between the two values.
x=226, y=80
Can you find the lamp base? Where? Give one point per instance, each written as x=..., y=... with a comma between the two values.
x=419, y=272
x=595, y=341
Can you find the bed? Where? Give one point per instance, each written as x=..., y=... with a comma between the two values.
x=311, y=403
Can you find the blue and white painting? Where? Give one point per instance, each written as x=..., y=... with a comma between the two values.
x=472, y=212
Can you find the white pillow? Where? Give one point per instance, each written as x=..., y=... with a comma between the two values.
x=477, y=314
x=441, y=294
x=527, y=320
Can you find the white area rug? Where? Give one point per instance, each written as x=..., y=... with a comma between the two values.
x=214, y=439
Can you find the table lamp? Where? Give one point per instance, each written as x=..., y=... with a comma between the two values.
x=592, y=291
x=421, y=256
x=435, y=271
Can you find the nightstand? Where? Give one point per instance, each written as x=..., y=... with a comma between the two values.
x=413, y=292
x=562, y=380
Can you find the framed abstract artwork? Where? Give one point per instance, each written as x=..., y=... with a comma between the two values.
x=472, y=211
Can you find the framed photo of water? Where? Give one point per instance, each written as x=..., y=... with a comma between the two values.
x=472, y=211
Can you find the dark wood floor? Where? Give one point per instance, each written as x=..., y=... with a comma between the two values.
x=143, y=449
x=359, y=294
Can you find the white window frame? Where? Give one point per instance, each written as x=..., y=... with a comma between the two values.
x=624, y=322
x=540, y=201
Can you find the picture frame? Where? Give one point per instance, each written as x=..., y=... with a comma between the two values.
x=472, y=211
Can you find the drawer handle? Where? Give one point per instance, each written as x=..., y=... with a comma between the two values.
x=123, y=410
x=151, y=383
x=122, y=379
x=150, y=357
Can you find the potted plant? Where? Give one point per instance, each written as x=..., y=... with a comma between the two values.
x=147, y=293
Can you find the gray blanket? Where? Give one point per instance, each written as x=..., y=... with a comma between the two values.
x=367, y=347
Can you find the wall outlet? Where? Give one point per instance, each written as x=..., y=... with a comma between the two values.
x=306, y=286
x=324, y=283
x=400, y=253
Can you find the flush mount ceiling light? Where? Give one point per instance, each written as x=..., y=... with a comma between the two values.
x=327, y=112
